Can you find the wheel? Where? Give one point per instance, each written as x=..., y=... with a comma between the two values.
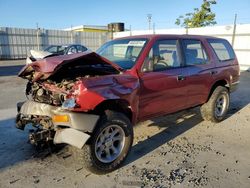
x=110, y=143
x=217, y=106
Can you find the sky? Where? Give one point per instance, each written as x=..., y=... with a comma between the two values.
x=60, y=14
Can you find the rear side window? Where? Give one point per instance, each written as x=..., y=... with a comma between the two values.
x=194, y=52
x=80, y=48
x=222, y=48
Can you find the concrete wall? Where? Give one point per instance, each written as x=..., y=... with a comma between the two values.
x=16, y=42
x=241, y=40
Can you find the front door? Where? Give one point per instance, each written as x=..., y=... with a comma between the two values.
x=163, y=87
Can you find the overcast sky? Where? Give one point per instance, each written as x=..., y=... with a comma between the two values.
x=59, y=14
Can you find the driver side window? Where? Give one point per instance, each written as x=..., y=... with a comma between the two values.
x=163, y=55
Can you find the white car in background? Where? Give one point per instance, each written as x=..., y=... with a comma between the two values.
x=54, y=50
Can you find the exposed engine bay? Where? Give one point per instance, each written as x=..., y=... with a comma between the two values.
x=53, y=88
x=40, y=92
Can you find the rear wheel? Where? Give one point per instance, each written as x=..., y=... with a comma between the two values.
x=110, y=143
x=217, y=106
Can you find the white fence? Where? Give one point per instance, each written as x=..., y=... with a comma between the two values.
x=16, y=42
x=241, y=38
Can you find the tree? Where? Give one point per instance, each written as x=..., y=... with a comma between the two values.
x=200, y=17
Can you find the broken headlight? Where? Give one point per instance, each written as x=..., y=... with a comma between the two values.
x=69, y=103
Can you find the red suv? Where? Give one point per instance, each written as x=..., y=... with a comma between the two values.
x=92, y=100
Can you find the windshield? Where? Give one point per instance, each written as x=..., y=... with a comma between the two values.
x=123, y=52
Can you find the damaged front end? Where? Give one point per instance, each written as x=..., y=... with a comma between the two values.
x=52, y=123
x=43, y=125
x=54, y=90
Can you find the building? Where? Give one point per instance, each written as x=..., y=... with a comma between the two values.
x=88, y=28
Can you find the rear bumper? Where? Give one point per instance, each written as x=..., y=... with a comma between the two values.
x=74, y=131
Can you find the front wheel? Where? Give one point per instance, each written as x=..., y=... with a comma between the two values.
x=110, y=143
x=215, y=109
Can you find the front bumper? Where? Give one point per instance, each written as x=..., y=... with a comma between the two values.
x=75, y=131
x=234, y=86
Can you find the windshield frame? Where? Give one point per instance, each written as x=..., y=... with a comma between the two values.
x=109, y=43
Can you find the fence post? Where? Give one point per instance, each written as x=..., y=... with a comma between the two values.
x=37, y=38
x=234, y=30
x=71, y=35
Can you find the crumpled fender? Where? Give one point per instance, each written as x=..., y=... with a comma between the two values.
x=91, y=92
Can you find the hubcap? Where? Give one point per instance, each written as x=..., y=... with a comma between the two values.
x=220, y=105
x=109, y=143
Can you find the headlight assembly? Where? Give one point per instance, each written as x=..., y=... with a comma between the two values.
x=69, y=103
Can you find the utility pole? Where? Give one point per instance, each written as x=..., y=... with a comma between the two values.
x=130, y=29
x=37, y=36
x=71, y=34
x=153, y=28
x=149, y=17
x=234, y=30
x=187, y=27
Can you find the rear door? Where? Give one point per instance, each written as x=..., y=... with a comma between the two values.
x=198, y=71
x=162, y=88
x=227, y=64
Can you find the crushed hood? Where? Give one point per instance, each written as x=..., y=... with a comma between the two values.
x=38, y=54
x=44, y=68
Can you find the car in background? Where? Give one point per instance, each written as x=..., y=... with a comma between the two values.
x=65, y=49
x=54, y=50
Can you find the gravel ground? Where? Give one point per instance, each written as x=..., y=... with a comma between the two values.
x=179, y=150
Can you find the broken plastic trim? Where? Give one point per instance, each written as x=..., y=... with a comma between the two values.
x=69, y=103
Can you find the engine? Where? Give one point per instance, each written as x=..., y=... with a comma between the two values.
x=49, y=92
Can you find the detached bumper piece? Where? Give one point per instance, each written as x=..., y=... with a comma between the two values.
x=43, y=125
x=234, y=86
x=55, y=124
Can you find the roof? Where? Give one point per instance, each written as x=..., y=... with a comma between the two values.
x=151, y=36
x=65, y=45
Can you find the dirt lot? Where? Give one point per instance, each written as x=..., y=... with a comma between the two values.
x=179, y=150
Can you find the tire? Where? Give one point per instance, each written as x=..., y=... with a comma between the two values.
x=219, y=99
x=106, y=151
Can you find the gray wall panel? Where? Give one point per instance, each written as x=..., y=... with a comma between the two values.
x=16, y=42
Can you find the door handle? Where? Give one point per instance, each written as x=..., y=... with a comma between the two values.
x=180, y=77
x=213, y=72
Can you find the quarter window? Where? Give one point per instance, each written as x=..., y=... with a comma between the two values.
x=194, y=52
x=80, y=48
x=222, y=49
